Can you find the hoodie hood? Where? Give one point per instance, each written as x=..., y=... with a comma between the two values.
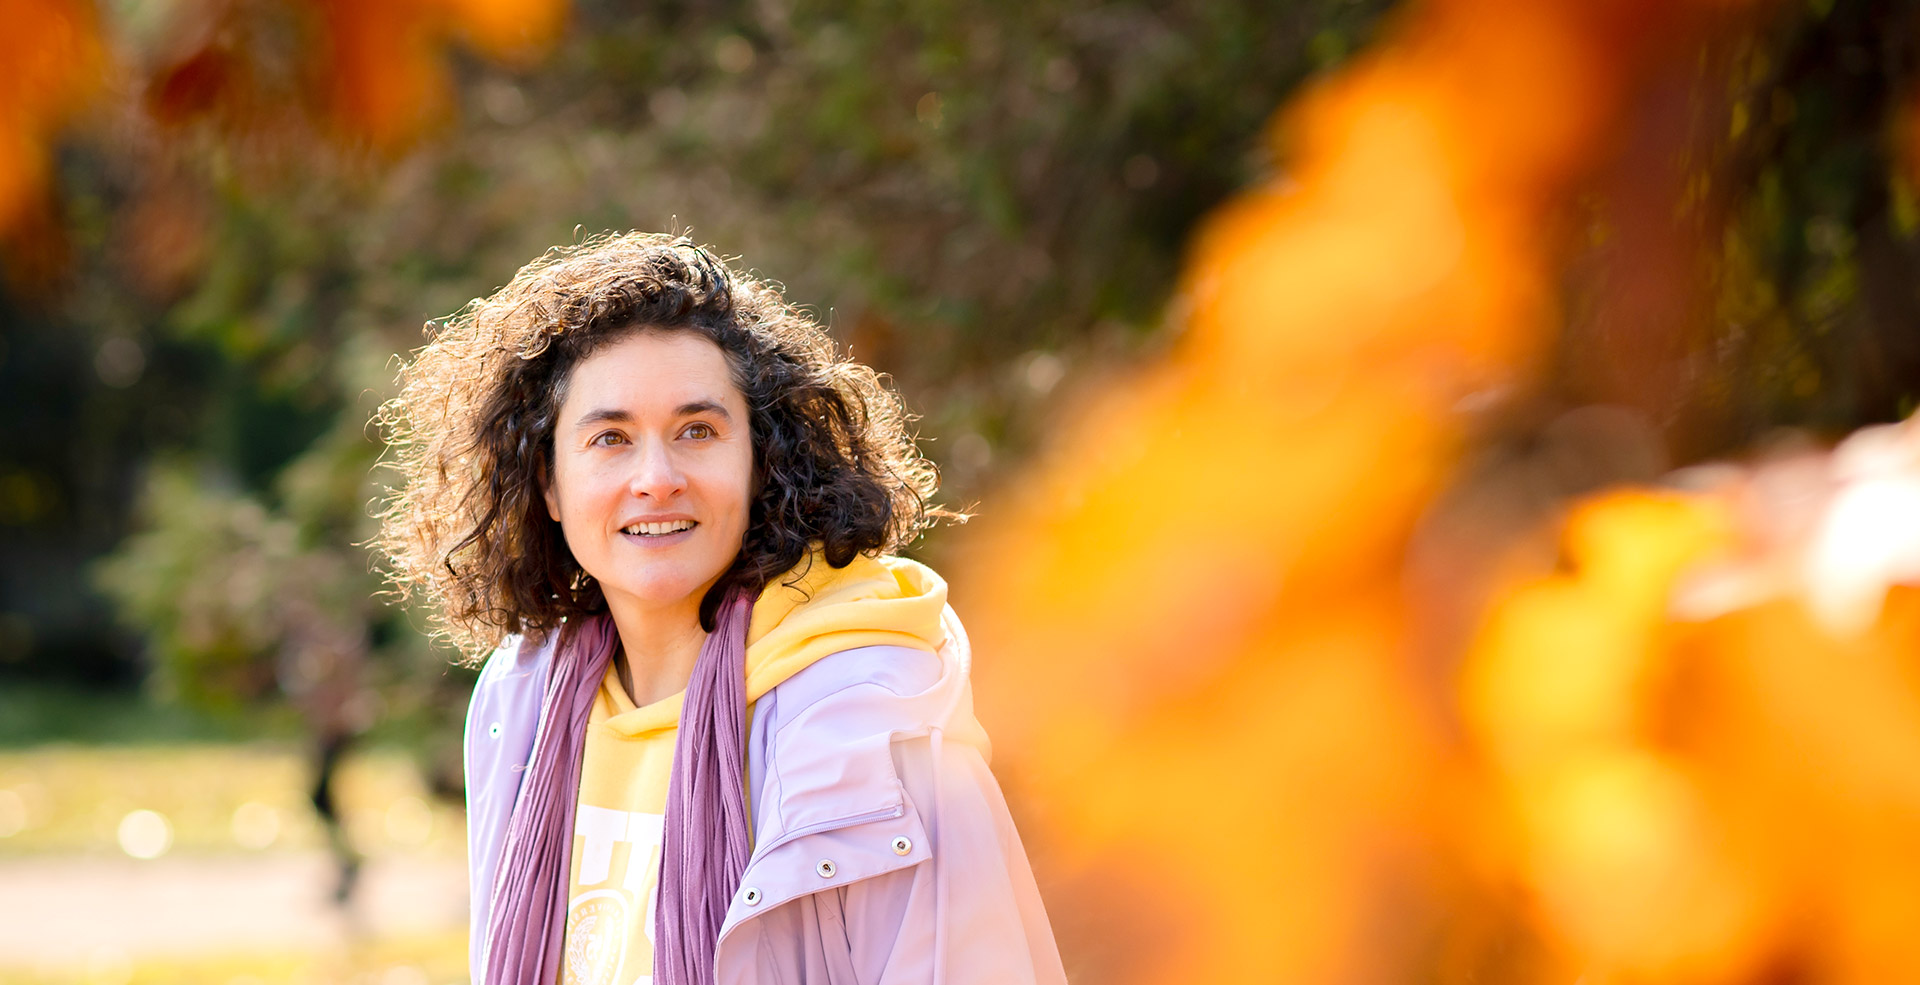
x=888, y=601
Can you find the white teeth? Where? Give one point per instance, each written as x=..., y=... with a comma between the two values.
x=658, y=529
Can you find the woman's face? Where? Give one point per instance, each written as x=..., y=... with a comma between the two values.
x=653, y=470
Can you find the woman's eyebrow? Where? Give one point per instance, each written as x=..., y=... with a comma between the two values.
x=602, y=416
x=702, y=407
x=616, y=415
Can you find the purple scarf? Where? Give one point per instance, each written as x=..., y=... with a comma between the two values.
x=706, y=841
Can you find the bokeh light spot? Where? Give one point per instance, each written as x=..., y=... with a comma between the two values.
x=145, y=834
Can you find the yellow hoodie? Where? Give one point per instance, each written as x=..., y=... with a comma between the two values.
x=629, y=750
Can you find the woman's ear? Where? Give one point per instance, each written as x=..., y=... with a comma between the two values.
x=547, y=492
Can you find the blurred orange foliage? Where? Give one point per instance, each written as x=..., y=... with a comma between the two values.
x=1711, y=763
x=388, y=78
x=1207, y=676
x=371, y=71
x=364, y=72
x=51, y=60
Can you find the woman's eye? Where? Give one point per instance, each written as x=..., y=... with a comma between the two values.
x=608, y=438
x=700, y=431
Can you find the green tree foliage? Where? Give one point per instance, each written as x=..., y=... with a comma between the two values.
x=1764, y=277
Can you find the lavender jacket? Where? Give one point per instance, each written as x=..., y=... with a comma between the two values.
x=883, y=851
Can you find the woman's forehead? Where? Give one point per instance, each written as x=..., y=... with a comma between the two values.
x=655, y=372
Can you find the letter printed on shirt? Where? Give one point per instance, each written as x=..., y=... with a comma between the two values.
x=601, y=827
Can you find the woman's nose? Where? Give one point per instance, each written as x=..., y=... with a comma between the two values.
x=656, y=474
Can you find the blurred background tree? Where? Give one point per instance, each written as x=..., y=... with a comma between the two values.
x=263, y=200
x=1771, y=286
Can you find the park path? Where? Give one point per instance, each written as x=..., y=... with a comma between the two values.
x=57, y=911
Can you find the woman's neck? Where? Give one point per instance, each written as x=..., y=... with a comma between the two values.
x=657, y=652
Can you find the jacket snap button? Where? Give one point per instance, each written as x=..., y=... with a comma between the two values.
x=752, y=896
x=902, y=846
x=826, y=868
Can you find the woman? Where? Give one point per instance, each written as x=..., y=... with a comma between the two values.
x=729, y=737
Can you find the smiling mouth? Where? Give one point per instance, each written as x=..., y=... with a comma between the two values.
x=658, y=529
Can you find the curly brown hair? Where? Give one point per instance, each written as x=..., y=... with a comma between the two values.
x=472, y=435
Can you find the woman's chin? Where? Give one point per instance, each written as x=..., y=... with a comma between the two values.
x=658, y=593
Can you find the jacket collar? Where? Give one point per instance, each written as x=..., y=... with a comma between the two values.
x=828, y=805
x=828, y=731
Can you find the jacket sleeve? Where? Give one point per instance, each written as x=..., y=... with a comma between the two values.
x=971, y=913
x=501, y=720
